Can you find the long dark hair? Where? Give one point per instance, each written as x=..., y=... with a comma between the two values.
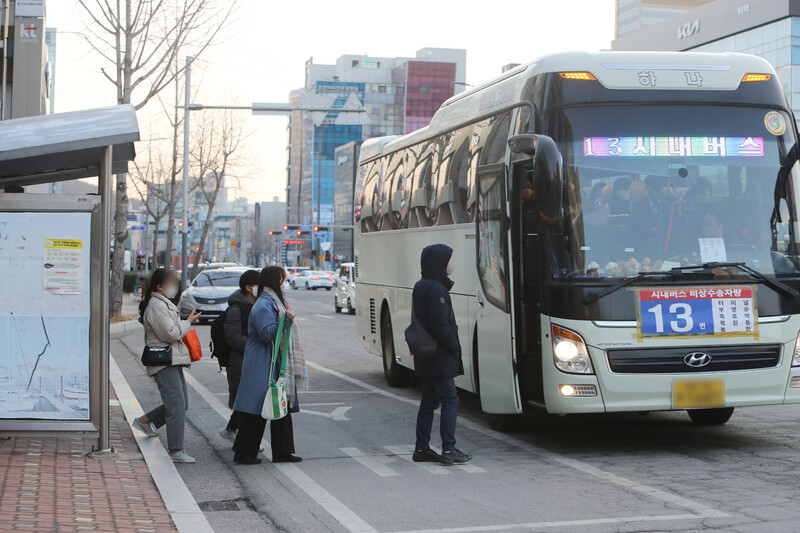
x=271, y=277
x=157, y=279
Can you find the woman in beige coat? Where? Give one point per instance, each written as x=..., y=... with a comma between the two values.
x=163, y=327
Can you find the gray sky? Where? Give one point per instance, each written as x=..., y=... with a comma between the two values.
x=265, y=47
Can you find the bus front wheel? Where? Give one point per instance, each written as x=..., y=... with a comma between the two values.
x=396, y=375
x=710, y=417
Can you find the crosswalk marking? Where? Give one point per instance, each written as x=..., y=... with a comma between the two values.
x=370, y=462
x=471, y=469
x=404, y=452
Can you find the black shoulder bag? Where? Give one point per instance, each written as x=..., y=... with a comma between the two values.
x=157, y=356
x=421, y=343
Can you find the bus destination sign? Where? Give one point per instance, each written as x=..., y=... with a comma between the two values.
x=697, y=311
x=673, y=146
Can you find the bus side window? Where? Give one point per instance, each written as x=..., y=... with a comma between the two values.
x=495, y=150
x=453, y=183
x=422, y=215
x=358, y=202
x=366, y=215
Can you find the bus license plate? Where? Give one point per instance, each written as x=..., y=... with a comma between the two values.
x=698, y=393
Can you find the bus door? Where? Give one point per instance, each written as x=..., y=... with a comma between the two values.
x=526, y=254
x=496, y=355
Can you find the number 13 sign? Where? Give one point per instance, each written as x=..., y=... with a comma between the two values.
x=722, y=311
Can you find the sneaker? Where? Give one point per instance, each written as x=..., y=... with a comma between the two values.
x=455, y=457
x=148, y=429
x=426, y=456
x=228, y=434
x=247, y=460
x=181, y=457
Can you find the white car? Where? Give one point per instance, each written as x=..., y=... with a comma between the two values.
x=313, y=280
x=209, y=292
x=345, y=295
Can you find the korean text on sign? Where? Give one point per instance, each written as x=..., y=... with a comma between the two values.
x=698, y=311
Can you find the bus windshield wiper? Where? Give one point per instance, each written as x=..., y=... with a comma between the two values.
x=622, y=284
x=772, y=283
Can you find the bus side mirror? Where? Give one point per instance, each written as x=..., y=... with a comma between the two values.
x=547, y=172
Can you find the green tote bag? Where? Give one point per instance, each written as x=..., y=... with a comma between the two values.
x=276, y=403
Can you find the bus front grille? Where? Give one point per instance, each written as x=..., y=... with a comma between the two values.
x=680, y=360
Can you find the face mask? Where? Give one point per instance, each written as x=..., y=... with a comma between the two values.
x=450, y=268
x=171, y=291
x=254, y=291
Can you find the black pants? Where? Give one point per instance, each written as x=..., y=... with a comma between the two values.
x=251, y=431
x=234, y=373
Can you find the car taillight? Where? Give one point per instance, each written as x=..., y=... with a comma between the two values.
x=314, y=278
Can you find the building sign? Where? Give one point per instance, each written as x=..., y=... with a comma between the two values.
x=689, y=29
x=29, y=31
x=673, y=146
x=29, y=8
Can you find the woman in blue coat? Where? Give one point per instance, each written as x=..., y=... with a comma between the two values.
x=262, y=330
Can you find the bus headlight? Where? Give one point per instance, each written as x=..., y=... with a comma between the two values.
x=569, y=352
x=796, y=355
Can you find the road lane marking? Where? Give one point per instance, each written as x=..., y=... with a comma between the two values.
x=370, y=462
x=339, y=511
x=563, y=523
x=698, y=508
x=337, y=414
x=323, y=316
x=404, y=452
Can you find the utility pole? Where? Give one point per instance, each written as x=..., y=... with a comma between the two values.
x=185, y=228
x=6, y=9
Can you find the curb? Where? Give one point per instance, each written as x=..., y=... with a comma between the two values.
x=181, y=505
x=115, y=330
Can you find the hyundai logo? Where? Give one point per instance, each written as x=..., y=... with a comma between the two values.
x=697, y=359
x=212, y=301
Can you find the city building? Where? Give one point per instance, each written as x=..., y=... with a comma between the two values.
x=635, y=15
x=765, y=28
x=28, y=71
x=398, y=94
x=344, y=179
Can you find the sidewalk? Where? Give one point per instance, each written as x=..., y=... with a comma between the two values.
x=49, y=485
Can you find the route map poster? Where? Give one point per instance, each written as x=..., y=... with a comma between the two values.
x=44, y=315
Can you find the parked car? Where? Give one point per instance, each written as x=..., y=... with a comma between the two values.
x=209, y=292
x=345, y=295
x=313, y=280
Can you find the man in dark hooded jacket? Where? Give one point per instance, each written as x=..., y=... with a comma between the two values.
x=434, y=311
x=239, y=305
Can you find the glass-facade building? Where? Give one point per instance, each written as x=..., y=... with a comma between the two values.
x=770, y=30
x=398, y=95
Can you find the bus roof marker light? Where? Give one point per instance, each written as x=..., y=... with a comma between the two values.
x=756, y=77
x=584, y=76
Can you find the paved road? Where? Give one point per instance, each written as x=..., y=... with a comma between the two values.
x=578, y=473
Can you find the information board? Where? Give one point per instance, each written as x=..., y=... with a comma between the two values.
x=44, y=315
x=722, y=311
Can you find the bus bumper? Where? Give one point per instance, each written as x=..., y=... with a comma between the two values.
x=617, y=392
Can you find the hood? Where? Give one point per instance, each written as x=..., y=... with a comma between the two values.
x=239, y=297
x=434, y=261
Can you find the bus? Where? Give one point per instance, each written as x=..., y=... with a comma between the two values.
x=625, y=235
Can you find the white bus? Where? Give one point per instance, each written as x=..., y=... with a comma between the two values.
x=652, y=266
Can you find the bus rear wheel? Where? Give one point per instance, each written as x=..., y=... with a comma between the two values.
x=396, y=375
x=710, y=417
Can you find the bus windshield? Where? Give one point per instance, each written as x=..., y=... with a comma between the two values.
x=651, y=188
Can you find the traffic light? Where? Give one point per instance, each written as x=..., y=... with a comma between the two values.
x=316, y=228
x=285, y=227
x=271, y=233
x=327, y=255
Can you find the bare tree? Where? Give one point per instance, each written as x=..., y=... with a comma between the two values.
x=150, y=179
x=217, y=139
x=143, y=40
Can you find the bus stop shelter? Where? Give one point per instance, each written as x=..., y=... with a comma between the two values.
x=55, y=268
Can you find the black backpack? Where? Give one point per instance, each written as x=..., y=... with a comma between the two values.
x=218, y=345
